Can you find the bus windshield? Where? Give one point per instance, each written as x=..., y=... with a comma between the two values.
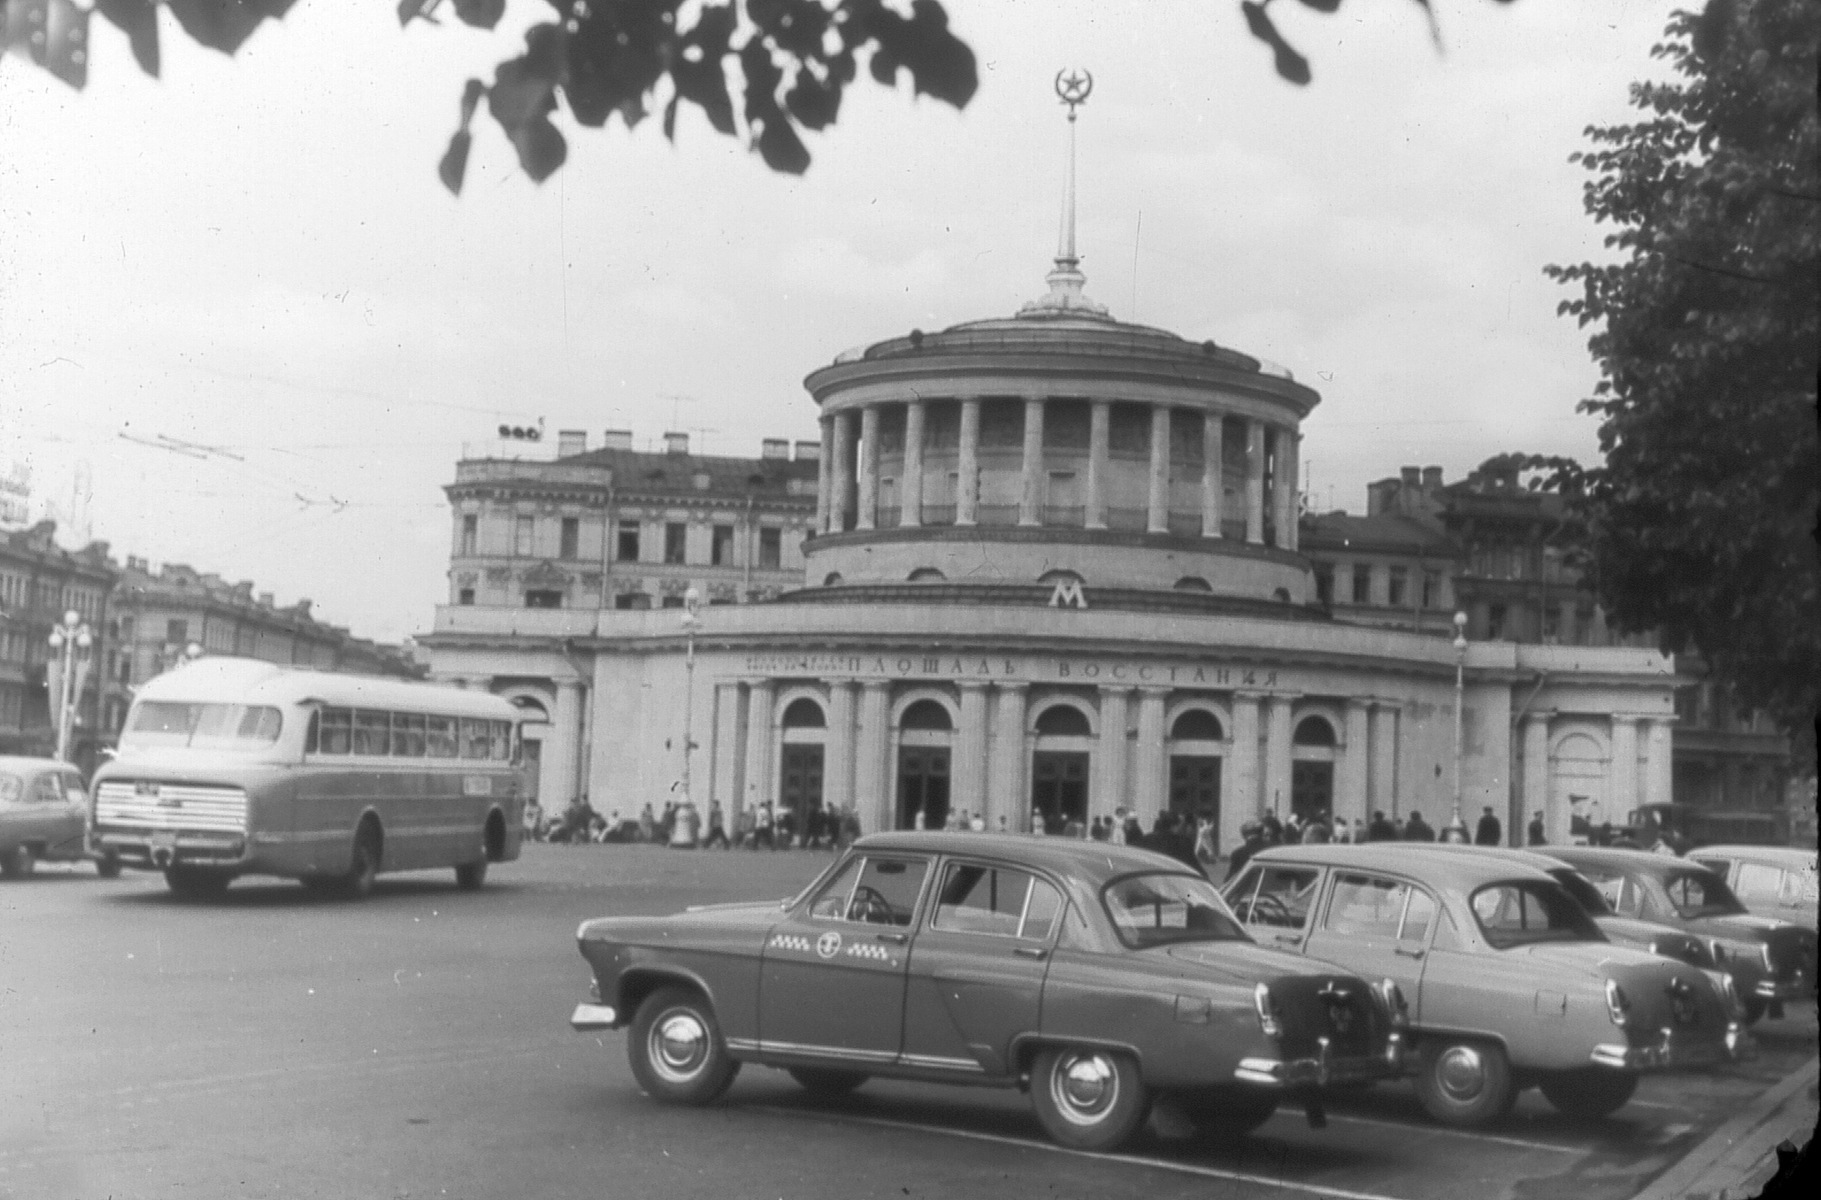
x=201, y=726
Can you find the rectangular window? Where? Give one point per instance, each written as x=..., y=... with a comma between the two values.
x=372, y=731
x=1495, y=622
x=521, y=536
x=1324, y=583
x=1552, y=623
x=500, y=741
x=671, y=602
x=572, y=537
x=543, y=598
x=407, y=735
x=1400, y=587
x=980, y=899
x=470, y=533
x=1362, y=584
x=771, y=547
x=465, y=596
x=720, y=550
x=176, y=633
x=1366, y=906
x=632, y=600
x=476, y=737
x=1281, y=900
x=626, y=545
x=1432, y=589
x=336, y=731
x=882, y=892
x=439, y=737
x=676, y=540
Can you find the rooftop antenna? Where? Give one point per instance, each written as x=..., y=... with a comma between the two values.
x=1073, y=87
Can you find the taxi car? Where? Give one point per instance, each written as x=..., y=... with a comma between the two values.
x=1771, y=881
x=1771, y=960
x=1095, y=977
x=1513, y=984
x=44, y=817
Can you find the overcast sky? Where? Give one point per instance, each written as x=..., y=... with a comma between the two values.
x=255, y=254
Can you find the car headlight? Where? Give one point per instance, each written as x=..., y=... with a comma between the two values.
x=1266, y=1008
x=1617, y=1006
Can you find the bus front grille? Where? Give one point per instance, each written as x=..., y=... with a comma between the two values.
x=171, y=806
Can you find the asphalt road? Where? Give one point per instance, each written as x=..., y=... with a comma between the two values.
x=272, y=1044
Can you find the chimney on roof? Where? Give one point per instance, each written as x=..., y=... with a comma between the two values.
x=265, y=599
x=1413, y=477
x=1432, y=478
x=809, y=451
x=1380, y=496
x=571, y=442
x=775, y=448
x=676, y=443
x=617, y=439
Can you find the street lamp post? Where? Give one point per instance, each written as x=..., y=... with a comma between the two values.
x=1457, y=825
x=692, y=602
x=68, y=671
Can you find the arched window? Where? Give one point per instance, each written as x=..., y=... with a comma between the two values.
x=1060, y=577
x=533, y=708
x=1063, y=721
x=1197, y=725
x=803, y=713
x=926, y=575
x=1314, y=731
x=925, y=714
x=831, y=579
x=1193, y=583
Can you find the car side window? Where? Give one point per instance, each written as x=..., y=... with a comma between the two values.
x=1447, y=934
x=976, y=898
x=1757, y=882
x=831, y=902
x=47, y=791
x=1419, y=915
x=1283, y=898
x=1622, y=896
x=1042, y=911
x=1366, y=906
x=73, y=791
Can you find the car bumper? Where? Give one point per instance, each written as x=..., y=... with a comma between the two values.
x=1799, y=988
x=589, y=1017
x=1668, y=1055
x=1325, y=1068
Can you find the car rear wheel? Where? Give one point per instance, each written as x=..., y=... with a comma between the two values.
x=196, y=883
x=675, y=1048
x=108, y=865
x=471, y=876
x=1464, y=1083
x=1088, y=1098
x=19, y=863
x=1588, y=1092
x=1228, y=1112
x=825, y=1081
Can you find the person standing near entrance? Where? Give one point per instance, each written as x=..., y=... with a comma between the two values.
x=1037, y=825
x=1207, y=852
x=717, y=831
x=1489, y=831
x=1116, y=834
x=1534, y=834
x=763, y=833
x=1417, y=829
x=1242, y=854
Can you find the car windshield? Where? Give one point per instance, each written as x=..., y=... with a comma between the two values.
x=1578, y=886
x=201, y=726
x=1521, y=912
x=1157, y=910
x=1700, y=894
x=11, y=787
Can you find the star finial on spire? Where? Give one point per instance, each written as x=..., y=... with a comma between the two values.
x=1073, y=86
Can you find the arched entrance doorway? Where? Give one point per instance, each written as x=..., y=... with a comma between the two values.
x=1060, y=761
x=1196, y=742
x=1312, y=769
x=534, y=727
x=800, y=758
x=1577, y=788
x=924, y=736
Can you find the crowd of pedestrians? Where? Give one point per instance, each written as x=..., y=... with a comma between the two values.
x=682, y=826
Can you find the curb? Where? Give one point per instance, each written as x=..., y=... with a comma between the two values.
x=1740, y=1157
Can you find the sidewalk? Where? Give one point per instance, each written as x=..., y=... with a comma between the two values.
x=1738, y=1159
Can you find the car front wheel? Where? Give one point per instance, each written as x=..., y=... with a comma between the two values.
x=1588, y=1092
x=1087, y=1097
x=1464, y=1083
x=675, y=1048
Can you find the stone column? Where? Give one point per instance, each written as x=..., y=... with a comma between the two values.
x=967, y=778
x=1099, y=418
x=1556, y=817
x=825, y=475
x=724, y=752
x=872, y=789
x=967, y=486
x=1213, y=446
x=1159, y=504
x=759, y=783
x=1384, y=764
x=1659, y=780
x=1243, y=792
x=1009, y=793
x=1277, y=757
x=1030, y=498
x=840, y=472
x=1289, y=456
x=869, y=467
x=1147, y=759
x=562, y=747
x=1255, y=482
x=838, y=749
x=1355, y=764
x=910, y=511
x=1622, y=795
x=1110, y=790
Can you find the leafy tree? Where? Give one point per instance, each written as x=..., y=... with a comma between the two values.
x=1701, y=519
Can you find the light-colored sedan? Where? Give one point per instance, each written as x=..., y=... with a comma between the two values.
x=44, y=817
x=1771, y=881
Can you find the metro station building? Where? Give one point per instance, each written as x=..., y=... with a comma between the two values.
x=1053, y=566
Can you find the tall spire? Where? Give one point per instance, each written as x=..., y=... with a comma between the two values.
x=1066, y=281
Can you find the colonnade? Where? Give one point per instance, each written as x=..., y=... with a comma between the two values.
x=1629, y=782
x=849, y=481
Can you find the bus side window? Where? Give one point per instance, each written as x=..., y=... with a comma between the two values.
x=439, y=737
x=336, y=735
x=407, y=735
x=372, y=731
x=312, y=733
x=475, y=738
x=502, y=739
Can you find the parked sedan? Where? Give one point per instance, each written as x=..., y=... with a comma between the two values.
x=1514, y=985
x=1771, y=960
x=1771, y=881
x=44, y=817
x=1095, y=977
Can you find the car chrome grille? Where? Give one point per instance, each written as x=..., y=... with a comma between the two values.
x=173, y=806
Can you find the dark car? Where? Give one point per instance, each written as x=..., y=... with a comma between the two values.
x=1770, y=960
x=44, y=817
x=1094, y=976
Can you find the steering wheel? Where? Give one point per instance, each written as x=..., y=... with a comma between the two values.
x=1268, y=908
x=869, y=906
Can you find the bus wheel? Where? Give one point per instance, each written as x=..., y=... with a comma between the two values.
x=357, y=884
x=471, y=875
x=193, y=883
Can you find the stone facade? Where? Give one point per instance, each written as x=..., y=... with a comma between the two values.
x=39, y=583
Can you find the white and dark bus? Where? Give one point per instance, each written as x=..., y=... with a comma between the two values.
x=232, y=766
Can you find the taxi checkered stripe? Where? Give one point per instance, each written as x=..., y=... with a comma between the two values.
x=791, y=941
x=861, y=950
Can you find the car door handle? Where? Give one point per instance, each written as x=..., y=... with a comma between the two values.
x=1037, y=952
x=1399, y=950
x=896, y=939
